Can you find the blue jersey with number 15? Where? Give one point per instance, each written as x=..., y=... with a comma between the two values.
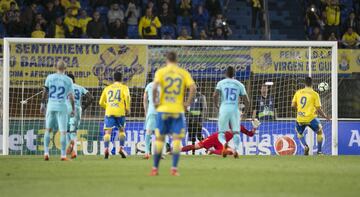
x=230, y=90
x=59, y=86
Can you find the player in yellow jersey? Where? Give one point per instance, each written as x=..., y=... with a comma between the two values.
x=307, y=104
x=115, y=99
x=173, y=82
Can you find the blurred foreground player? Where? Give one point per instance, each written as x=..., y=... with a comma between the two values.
x=59, y=87
x=115, y=99
x=170, y=107
x=212, y=144
x=307, y=104
x=80, y=94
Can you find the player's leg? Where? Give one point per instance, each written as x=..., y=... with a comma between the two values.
x=177, y=127
x=121, y=122
x=316, y=126
x=235, y=125
x=160, y=132
x=300, y=128
x=62, y=120
x=74, y=123
x=109, y=123
x=223, y=125
x=50, y=120
x=150, y=127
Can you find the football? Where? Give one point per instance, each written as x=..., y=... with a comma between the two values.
x=323, y=86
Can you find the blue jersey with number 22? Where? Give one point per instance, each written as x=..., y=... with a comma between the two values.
x=230, y=90
x=59, y=86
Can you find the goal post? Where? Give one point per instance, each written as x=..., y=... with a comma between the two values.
x=207, y=59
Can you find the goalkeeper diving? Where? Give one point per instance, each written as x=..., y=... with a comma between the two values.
x=213, y=145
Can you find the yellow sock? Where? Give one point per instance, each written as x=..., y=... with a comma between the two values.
x=107, y=140
x=176, y=146
x=159, y=144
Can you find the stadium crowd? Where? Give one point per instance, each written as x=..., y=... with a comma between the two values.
x=334, y=20
x=150, y=19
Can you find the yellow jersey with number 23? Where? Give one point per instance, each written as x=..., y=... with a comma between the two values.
x=307, y=100
x=173, y=82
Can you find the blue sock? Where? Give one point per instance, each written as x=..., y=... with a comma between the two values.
x=63, y=143
x=107, y=138
x=157, y=158
x=46, y=142
x=147, y=143
x=302, y=140
x=175, y=160
x=319, y=146
x=122, y=139
x=221, y=138
x=236, y=139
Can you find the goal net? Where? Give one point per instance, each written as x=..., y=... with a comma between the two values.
x=271, y=72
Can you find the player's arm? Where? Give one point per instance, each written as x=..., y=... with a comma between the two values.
x=127, y=100
x=43, y=99
x=254, y=114
x=192, y=89
x=72, y=102
x=89, y=100
x=145, y=102
x=102, y=101
x=246, y=100
x=319, y=109
x=216, y=96
x=246, y=131
x=155, y=87
x=294, y=101
x=205, y=108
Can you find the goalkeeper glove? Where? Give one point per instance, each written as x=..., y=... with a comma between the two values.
x=255, y=123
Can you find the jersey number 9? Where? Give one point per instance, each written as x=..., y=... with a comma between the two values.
x=303, y=101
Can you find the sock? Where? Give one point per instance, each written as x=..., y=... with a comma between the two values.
x=319, y=138
x=221, y=138
x=68, y=138
x=159, y=144
x=63, y=143
x=107, y=140
x=236, y=139
x=73, y=137
x=122, y=136
x=147, y=143
x=46, y=142
x=176, y=152
x=302, y=140
x=188, y=148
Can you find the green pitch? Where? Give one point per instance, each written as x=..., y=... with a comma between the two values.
x=200, y=176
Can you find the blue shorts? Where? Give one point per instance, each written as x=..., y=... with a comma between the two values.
x=226, y=118
x=315, y=125
x=111, y=122
x=56, y=118
x=150, y=123
x=74, y=122
x=170, y=123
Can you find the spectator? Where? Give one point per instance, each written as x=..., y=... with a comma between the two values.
x=219, y=35
x=332, y=37
x=148, y=25
x=58, y=29
x=316, y=34
x=83, y=21
x=213, y=6
x=322, y=20
x=117, y=30
x=184, y=8
x=38, y=32
x=98, y=3
x=201, y=17
x=150, y=5
x=58, y=9
x=40, y=19
x=115, y=13
x=73, y=5
x=312, y=18
x=350, y=38
x=264, y=104
x=171, y=5
x=256, y=14
x=10, y=15
x=72, y=24
x=333, y=17
x=167, y=18
x=351, y=21
x=132, y=14
x=203, y=35
x=184, y=35
x=50, y=13
x=5, y=5
x=96, y=28
x=27, y=17
x=218, y=21
x=16, y=28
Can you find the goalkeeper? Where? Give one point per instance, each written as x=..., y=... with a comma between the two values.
x=80, y=94
x=212, y=144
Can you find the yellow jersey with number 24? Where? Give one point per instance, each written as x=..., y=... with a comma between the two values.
x=173, y=82
x=307, y=100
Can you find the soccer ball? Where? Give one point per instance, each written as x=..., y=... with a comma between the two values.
x=323, y=86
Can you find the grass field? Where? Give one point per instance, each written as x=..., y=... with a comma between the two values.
x=200, y=176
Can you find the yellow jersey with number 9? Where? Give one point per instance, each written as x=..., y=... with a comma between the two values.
x=173, y=82
x=307, y=100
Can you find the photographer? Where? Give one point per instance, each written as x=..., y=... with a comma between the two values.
x=148, y=25
x=257, y=13
x=220, y=22
x=312, y=18
x=132, y=14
